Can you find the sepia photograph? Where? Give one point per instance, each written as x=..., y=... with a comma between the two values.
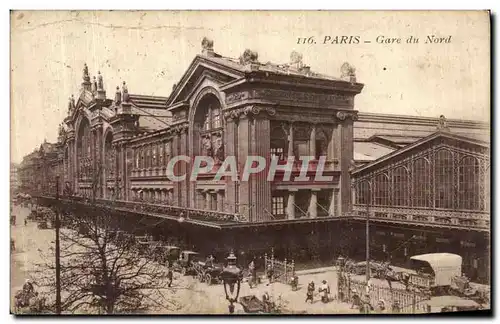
x=250, y=162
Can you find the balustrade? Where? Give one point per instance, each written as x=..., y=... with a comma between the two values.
x=427, y=216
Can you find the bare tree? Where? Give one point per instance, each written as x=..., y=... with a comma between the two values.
x=101, y=271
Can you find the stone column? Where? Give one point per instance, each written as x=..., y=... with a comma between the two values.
x=220, y=200
x=313, y=203
x=290, y=140
x=312, y=142
x=333, y=203
x=208, y=200
x=290, y=206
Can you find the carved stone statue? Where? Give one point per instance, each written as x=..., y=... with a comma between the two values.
x=296, y=60
x=248, y=57
x=207, y=146
x=207, y=44
x=94, y=85
x=125, y=95
x=61, y=129
x=348, y=72
x=100, y=83
x=443, y=124
x=118, y=96
x=86, y=76
x=219, y=149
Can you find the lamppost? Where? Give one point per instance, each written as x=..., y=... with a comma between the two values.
x=231, y=277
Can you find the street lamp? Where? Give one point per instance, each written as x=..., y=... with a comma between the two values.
x=231, y=277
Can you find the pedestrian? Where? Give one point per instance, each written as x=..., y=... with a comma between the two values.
x=170, y=277
x=270, y=274
x=310, y=292
x=25, y=222
x=266, y=300
x=356, y=302
x=325, y=290
x=253, y=274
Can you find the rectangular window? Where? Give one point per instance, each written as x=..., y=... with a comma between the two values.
x=278, y=206
x=278, y=152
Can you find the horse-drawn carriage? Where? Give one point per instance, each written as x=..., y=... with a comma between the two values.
x=208, y=271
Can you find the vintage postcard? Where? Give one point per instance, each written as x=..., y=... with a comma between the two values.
x=250, y=162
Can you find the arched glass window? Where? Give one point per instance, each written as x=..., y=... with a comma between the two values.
x=469, y=180
x=401, y=186
x=421, y=183
x=363, y=193
x=443, y=179
x=381, y=192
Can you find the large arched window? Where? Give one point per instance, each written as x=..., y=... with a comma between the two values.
x=401, y=186
x=109, y=153
x=83, y=150
x=381, y=192
x=443, y=174
x=363, y=193
x=321, y=145
x=421, y=183
x=469, y=180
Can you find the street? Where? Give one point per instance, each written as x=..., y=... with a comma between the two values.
x=187, y=295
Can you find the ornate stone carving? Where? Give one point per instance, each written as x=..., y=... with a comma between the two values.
x=348, y=72
x=442, y=124
x=236, y=96
x=341, y=115
x=249, y=57
x=218, y=148
x=206, y=144
x=296, y=60
x=307, y=97
x=249, y=111
x=207, y=44
x=179, y=128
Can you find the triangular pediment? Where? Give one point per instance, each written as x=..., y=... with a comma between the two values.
x=218, y=69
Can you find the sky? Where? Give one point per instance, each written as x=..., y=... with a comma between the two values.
x=151, y=50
